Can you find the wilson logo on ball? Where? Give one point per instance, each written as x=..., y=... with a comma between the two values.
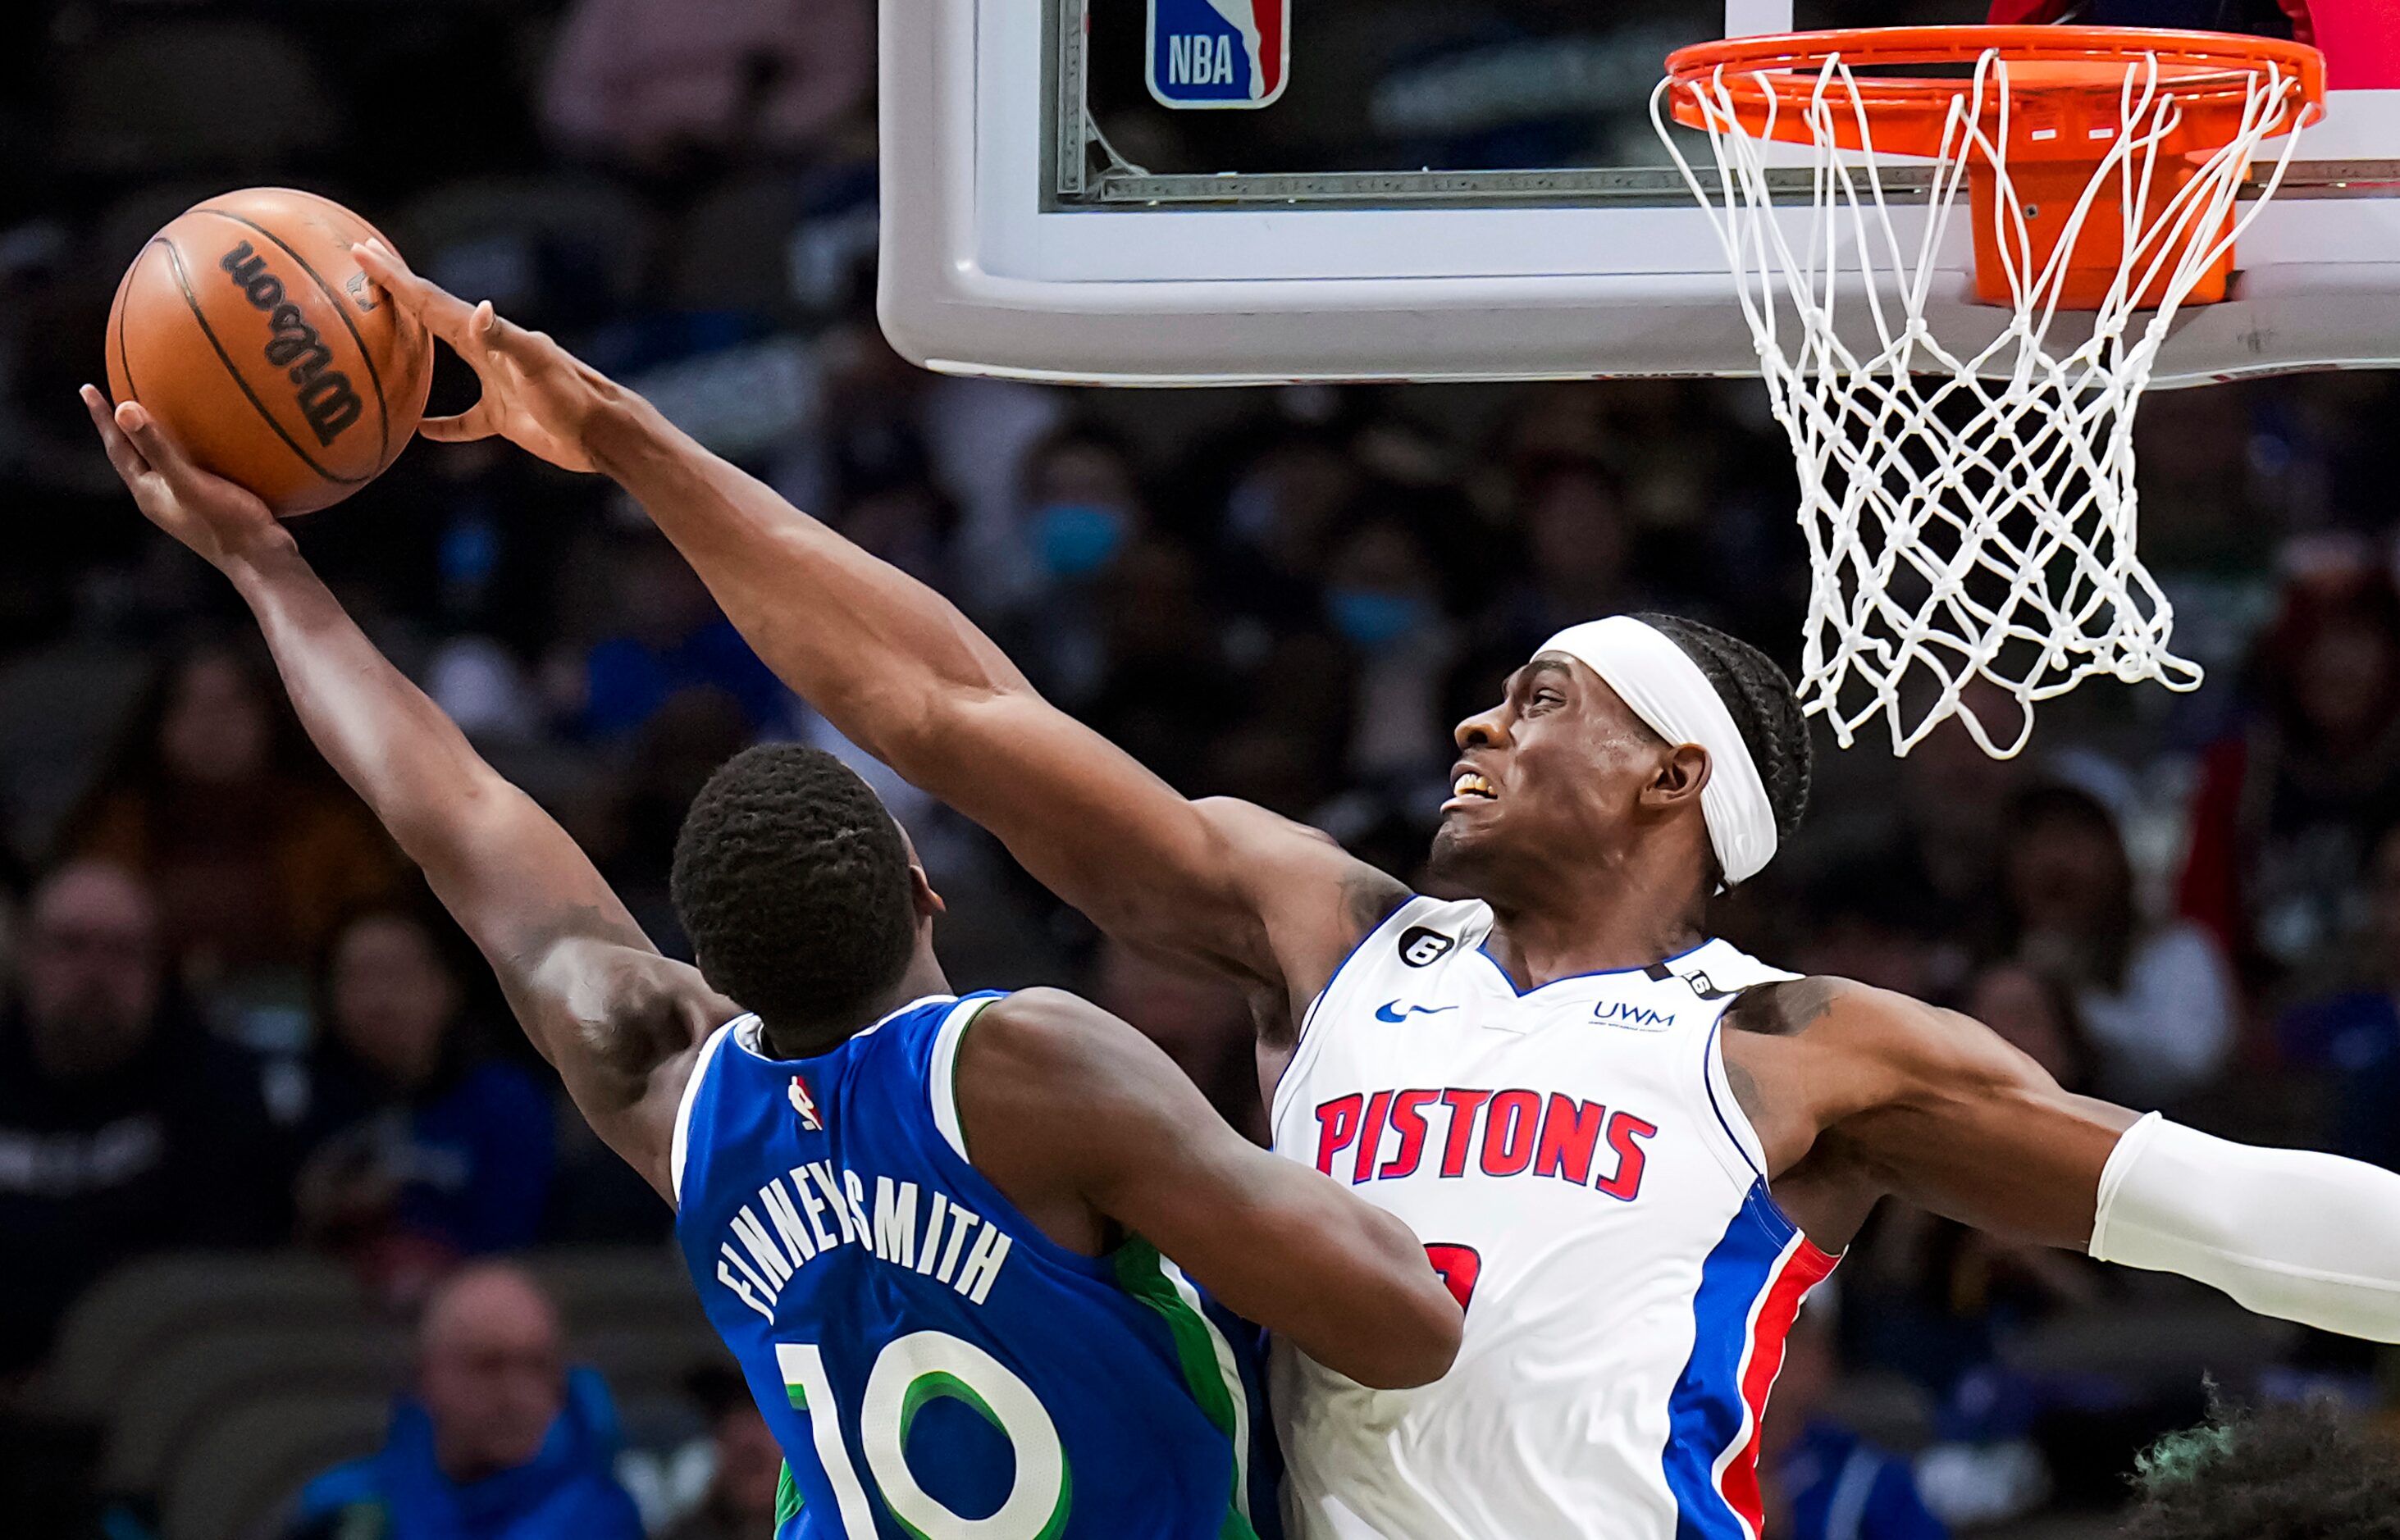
x=325, y=398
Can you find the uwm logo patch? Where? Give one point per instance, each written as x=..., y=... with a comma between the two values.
x=1218, y=53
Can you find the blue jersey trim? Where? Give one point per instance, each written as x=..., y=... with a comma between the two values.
x=1708, y=1057
x=1705, y=1413
x=1481, y=949
x=1763, y=1189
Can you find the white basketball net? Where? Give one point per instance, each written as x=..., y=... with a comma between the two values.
x=1970, y=515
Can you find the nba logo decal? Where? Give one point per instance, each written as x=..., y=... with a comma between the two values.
x=1218, y=53
x=805, y=1105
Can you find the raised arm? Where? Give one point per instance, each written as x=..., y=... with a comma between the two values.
x=903, y=674
x=1859, y=1092
x=1057, y=1097
x=620, y=1023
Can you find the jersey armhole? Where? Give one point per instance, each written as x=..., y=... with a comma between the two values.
x=1739, y=1150
x=942, y=1071
x=1303, y=1048
x=679, y=1142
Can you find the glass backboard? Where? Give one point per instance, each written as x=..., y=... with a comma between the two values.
x=1246, y=191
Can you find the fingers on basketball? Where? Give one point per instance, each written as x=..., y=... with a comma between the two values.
x=465, y=428
x=505, y=338
x=443, y=313
x=121, y=454
x=157, y=451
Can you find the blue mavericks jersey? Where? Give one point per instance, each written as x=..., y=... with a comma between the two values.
x=934, y=1365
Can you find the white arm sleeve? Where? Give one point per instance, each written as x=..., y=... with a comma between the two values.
x=2288, y=1232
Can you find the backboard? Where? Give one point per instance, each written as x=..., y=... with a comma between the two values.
x=1449, y=189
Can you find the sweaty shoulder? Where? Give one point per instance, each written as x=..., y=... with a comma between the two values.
x=1859, y=1021
x=1845, y=1046
x=1039, y=1075
x=1041, y=1035
x=1802, y=1055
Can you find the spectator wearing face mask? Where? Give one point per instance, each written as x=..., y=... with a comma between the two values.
x=124, y=1127
x=1383, y=598
x=498, y=1441
x=1083, y=509
x=2156, y=1000
x=420, y=1148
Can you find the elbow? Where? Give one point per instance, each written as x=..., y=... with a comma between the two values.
x=1420, y=1341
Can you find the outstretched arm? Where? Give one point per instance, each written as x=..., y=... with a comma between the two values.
x=1876, y=1093
x=1058, y=1097
x=619, y=1021
x=903, y=674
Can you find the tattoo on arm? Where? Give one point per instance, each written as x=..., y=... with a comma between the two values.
x=1745, y=1090
x=1785, y=1008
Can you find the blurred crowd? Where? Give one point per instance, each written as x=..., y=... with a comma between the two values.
x=233, y=1019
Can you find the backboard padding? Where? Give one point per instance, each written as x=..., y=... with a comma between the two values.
x=1460, y=273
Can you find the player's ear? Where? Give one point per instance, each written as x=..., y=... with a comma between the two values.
x=922, y=896
x=1682, y=773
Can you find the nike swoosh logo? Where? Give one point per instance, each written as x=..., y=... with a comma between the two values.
x=1386, y=1012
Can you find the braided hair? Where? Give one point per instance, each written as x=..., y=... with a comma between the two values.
x=1764, y=708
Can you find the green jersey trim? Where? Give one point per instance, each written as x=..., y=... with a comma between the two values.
x=787, y=1498
x=1206, y=1359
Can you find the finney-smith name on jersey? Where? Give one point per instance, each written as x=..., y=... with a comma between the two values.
x=759, y=1256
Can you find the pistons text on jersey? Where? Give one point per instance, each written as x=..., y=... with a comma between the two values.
x=1561, y=1138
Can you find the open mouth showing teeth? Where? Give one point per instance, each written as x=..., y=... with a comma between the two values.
x=1472, y=784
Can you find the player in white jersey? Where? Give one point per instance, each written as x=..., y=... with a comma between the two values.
x=1581, y=1174
x=1631, y=1149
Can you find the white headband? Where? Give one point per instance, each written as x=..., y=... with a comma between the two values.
x=1661, y=685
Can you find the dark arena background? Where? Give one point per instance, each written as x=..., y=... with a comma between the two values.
x=259, y=1103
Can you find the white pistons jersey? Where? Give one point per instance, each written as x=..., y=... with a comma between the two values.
x=1573, y=1158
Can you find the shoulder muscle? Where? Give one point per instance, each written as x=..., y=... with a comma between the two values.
x=1924, y=1102
x=1313, y=899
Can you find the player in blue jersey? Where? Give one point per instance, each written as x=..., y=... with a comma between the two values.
x=935, y=1232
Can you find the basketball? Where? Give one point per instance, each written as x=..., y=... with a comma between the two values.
x=245, y=327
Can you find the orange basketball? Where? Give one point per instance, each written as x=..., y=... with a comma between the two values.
x=245, y=327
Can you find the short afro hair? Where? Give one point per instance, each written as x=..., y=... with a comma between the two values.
x=2291, y=1470
x=1765, y=706
x=791, y=879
